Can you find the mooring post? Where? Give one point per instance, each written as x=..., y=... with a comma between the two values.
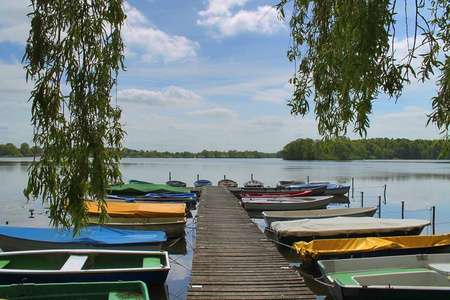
x=353, y=188
x=362, y=199
x=385, y=193
x=403, y=209
x=433, y=222
x=379, y=206
x=198, y=176
x=170, y=176
x=307, y=179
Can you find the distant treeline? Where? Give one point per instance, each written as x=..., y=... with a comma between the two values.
x=346, y=149
x=301, y=149
x=10, y=150
x=203, y=154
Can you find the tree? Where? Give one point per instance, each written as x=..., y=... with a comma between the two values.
x=74, y=46
x=344, y=57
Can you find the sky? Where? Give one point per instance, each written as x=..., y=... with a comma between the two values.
x=209, y=74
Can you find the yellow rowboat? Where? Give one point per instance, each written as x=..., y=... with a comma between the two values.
x=140, y=210
x=174, y=227
x=371, y=246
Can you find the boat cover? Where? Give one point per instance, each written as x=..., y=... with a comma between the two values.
x=142, y=188
x=92, y=235
x=344, y=225
x=310, y=251
x=140, y=210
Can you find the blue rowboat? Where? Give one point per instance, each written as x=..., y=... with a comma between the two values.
x=92, y=237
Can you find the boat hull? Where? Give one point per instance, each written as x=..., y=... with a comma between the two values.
x=303, y=203
x=57, y=266
x=270, y=217
x=95, y=237
x=173, y=227
x=422, y=276
x=131, y=290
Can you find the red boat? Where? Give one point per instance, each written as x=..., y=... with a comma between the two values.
x=277, y=195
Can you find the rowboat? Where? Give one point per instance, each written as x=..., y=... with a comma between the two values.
x=139, y=210
x=315, y=190
x=273, y=216
x=420, y=276
x=131, y=290
x=92, y=237
x=202, y=182
x=331, y=188
x=190, y=199
x=276, y=195
x=227, y=182
x=253, y=183
x=372, y=246
x=176, y=183
x=135, y=187
x=55, y=266
x=288, y=232
x=290, y=203
x=173, y=227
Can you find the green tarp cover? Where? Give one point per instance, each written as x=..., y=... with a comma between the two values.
x=141, y=188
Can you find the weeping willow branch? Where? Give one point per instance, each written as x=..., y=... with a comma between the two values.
x=344, y=58
x=73, y=53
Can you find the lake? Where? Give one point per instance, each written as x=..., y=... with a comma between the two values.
x=420, y=185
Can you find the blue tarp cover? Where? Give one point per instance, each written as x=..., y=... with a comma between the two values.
x=94, y=235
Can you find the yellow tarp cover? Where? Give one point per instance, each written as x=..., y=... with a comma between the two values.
x=312, y=250
x=140, y=210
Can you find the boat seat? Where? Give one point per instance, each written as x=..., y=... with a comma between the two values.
x=74, y=263
x=443, y=268
x=4, y=263
x=151, y=262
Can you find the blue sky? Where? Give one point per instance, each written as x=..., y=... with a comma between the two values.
x=201, y=75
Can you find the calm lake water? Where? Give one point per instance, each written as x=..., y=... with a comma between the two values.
x=419, y=184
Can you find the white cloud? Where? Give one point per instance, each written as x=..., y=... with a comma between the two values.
x=153, y=45
x=216, y=113
x=14, y=23
x=222, y=16
x=170, y=97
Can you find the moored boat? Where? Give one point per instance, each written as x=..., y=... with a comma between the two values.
x=202, y=182
x=276, y=195
x=273, y=216
x=372, y=246
x=176, y=183
x=54, y=266
x=130, y=290
x=331, y=188
x=420, y=276
x=227, y=183
x=290, y=203
x=92, y=237
x=289, y=232
x=139, y=210
x=135, y=187
x=190, y=199
x=174, y=227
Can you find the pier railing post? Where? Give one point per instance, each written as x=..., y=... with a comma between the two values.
x=362, y=199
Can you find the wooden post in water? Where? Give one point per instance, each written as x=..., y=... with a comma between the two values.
x=198, y=176
x=433, y=223
x=353, y=188
x=362, y=199
x=170, y=176
x=307, y=179
x=379, y=206
x=403, y=209
x=385, y=193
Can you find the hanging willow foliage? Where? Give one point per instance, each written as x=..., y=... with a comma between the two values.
x=73, y=54
x=344, y=58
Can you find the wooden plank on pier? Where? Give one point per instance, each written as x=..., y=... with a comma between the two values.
x=233, y=259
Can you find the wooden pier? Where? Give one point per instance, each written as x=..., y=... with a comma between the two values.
x=233, y=259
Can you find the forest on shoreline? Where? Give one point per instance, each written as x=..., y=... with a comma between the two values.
x=300, y=149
